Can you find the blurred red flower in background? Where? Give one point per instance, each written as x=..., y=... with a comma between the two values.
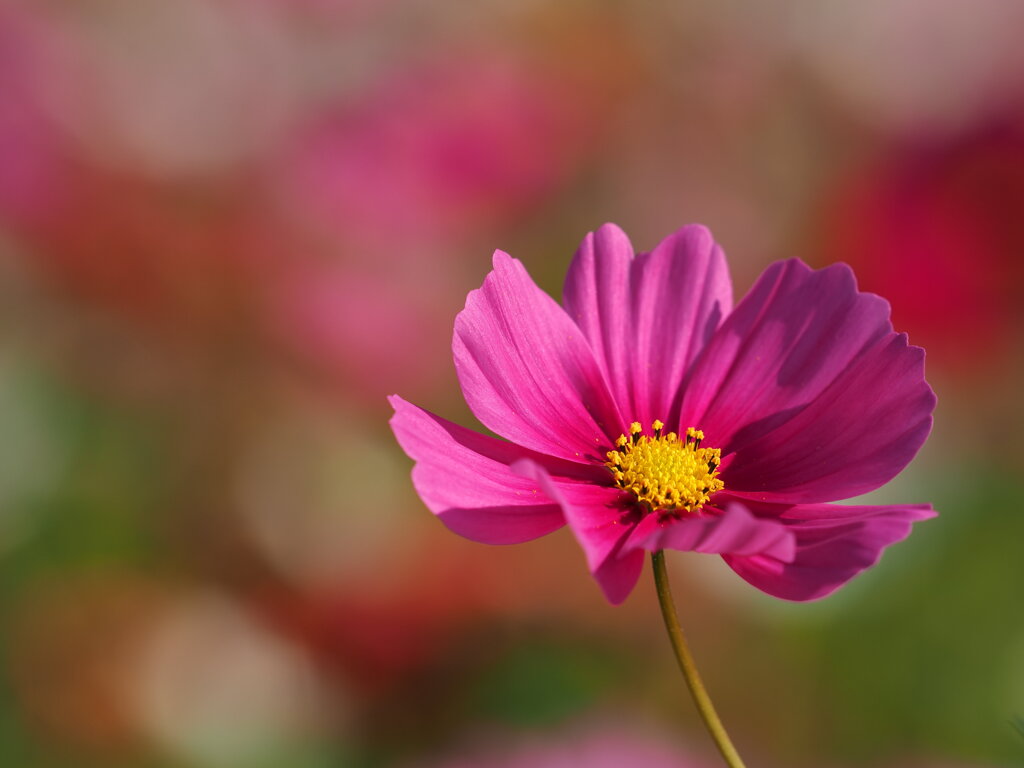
x=937, y=228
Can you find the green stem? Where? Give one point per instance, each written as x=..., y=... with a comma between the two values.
x=689, y=666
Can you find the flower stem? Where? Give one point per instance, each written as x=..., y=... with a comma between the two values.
x=689, y=666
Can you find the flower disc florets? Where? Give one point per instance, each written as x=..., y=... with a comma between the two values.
x=664, y=472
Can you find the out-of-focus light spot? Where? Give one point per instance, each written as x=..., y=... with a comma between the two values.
x=217, y=689
x=323, y=496
x=172, y=89
x=32, y=458
x=914, y=65
x=70, y=644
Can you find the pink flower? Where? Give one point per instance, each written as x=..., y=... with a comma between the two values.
x=452, y=146
x=596, y=744
x=648, y=413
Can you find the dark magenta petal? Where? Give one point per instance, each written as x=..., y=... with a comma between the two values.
x=834, y=542
x=735, y=531
x=463, y=477
x=528, y=373
x=618, y=575
x=647, y=317
x=810, y=389
x=601, y=518
x=854, y=437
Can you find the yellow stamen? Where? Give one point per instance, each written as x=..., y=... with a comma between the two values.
x=663, y=472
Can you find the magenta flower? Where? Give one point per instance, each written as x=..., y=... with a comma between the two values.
x=648, y=413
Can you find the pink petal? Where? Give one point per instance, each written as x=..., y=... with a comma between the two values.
x=597, y=297
x=602, y=519
x=463, y=478
x=735, y=531
x=834, y=543
x=648, y=317
x=854, y=437
x=809, y=387
x=528, y=373
x=619, y=574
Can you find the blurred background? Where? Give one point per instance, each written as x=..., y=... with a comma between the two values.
x=230, y=228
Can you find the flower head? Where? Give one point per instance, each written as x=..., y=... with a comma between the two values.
x=648, y=413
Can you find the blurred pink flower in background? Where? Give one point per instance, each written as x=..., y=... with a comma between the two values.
x=396, y=181
x=937, y=227
x=320, y=312
x=589, y=744
x=119, y=185
x=436, y=151
x=156, y=173
x=30, y=155
x=786, y=387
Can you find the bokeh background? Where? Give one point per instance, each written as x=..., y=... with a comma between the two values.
x=229, y=228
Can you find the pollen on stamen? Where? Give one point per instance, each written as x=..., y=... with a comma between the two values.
x=664, y=472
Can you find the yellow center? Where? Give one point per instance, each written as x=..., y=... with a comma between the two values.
x=664, y=472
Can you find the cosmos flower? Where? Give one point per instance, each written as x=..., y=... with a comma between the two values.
x=648, y=413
